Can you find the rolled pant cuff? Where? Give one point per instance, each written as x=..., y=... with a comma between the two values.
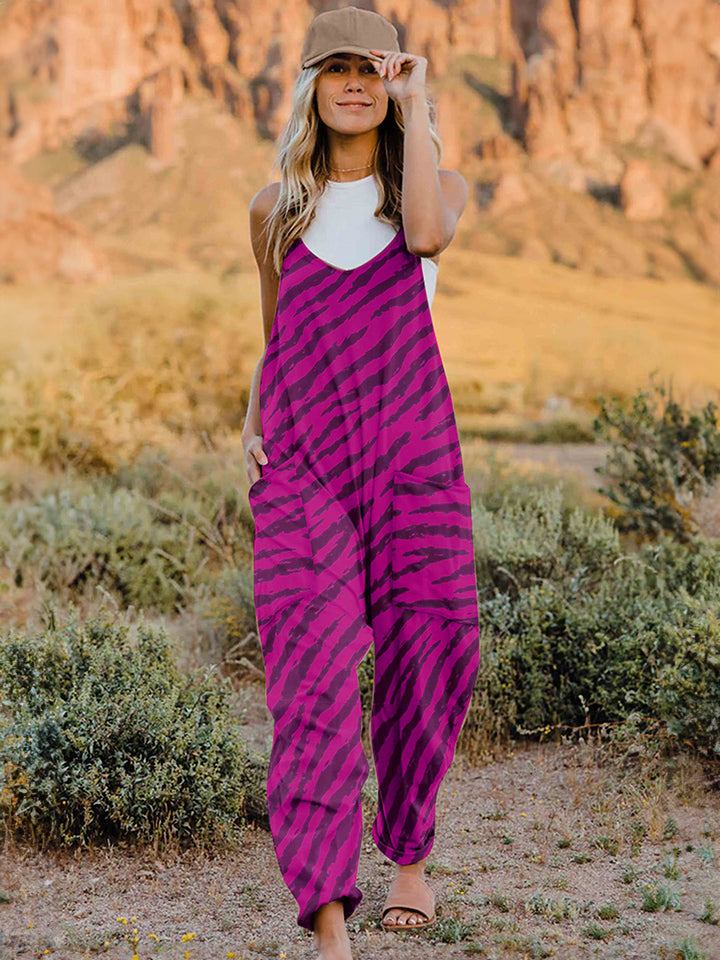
x=410, y=853
x=350, y=902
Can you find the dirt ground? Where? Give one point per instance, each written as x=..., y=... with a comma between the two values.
x=528, y=849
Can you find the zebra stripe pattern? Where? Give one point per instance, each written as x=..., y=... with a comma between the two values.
x=363, y=536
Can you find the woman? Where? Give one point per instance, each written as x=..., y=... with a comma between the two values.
x=363, y=531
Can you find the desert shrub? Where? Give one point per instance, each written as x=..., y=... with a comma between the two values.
x=500, y=483
x=153, y=551
x=573, y=632
x=661, y=458
x=539, y=538
x=207, y=495
x=102, y=738
x=72, y=539
x=225, y=615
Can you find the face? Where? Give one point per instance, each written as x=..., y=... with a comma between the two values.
x=351, y=95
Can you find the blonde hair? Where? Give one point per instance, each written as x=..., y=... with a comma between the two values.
x=304, y=162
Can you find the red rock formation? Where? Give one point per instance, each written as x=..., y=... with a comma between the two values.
x=35, y=243
x=641, y=194
x=588, y=76
x=587, y=73
x=598, y=72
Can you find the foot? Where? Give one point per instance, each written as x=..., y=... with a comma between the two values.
x=398, y=917
x=330, y=933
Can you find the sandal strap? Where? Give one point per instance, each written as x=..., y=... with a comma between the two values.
x=410, y=892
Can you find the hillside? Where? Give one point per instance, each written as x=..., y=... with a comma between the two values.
x=587, y=141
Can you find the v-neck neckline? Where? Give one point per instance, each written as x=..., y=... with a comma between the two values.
x=360, y=266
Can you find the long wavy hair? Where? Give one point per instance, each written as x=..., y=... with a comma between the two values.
x=303, y=159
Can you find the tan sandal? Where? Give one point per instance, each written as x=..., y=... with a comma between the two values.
x=408, y=891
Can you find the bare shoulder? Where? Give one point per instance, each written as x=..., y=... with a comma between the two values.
x=455, y=192
x=260, y=206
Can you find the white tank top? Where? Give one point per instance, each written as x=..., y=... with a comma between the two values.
x=345, y=233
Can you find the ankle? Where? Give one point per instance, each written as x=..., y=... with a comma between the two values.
x=329, y=922
x=418, y=867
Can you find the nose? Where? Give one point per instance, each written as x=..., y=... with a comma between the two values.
x=354, y=82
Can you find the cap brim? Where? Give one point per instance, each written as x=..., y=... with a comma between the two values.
x=362, y=51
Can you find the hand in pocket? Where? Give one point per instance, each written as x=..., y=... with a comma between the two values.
x=254, y=456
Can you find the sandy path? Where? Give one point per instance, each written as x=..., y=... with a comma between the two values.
x=495, y=849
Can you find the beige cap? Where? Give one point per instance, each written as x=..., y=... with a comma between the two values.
x=348, y=30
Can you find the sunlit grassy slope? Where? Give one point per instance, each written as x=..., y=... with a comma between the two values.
x=172, y=349
x=519, y=332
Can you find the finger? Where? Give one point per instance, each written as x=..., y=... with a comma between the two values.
x=396, y=64
x=260, y=456
x=408, y=60
x=385, y=55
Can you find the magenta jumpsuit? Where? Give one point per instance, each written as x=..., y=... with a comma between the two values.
x=363, y=534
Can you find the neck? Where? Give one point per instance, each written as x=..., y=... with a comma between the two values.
x=351, y=157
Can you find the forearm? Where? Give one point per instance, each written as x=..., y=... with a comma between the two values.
x=253, y=423
x=422, y=197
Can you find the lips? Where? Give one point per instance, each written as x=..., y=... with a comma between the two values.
x=353, y=103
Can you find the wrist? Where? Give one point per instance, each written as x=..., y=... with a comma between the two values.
x=412, y=102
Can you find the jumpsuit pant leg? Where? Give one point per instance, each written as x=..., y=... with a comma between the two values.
x=424, y=615
x=331, y=578
x=314, y=633
x=425, y=670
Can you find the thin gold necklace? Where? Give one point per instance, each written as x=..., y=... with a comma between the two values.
x=347, y=170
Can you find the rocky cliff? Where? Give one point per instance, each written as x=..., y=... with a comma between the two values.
x=615, y=99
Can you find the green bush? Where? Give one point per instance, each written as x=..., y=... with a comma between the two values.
x=660, y=459
x=539, y=539
x=73, y=538
x=149, y=539
x=103, y=738
x=574, y=632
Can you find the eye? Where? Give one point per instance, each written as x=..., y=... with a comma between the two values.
x=368, y=67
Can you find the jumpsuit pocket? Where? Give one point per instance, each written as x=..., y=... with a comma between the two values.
x=432, y=550
x=283, y=566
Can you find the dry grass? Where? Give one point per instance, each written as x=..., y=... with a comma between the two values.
x=157, y=359
x=95, y=372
